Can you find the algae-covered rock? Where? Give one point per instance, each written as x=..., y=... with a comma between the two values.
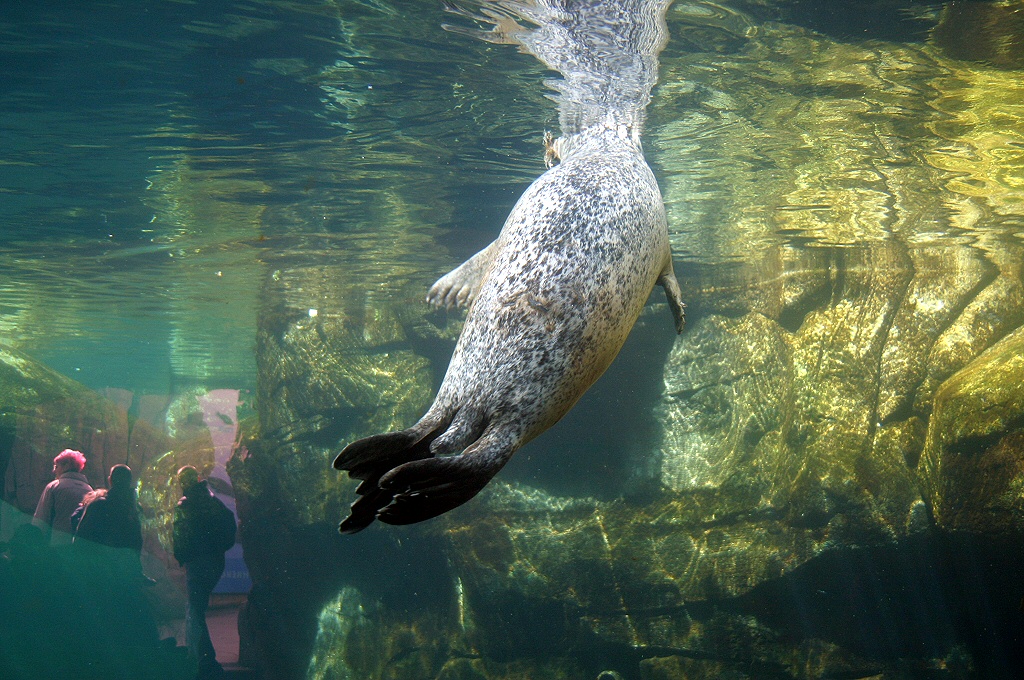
x=358, y=639
x=327, y=379
x=791, y=417
x=944, y=280
x=996, y=310
x=716, y=412
x=620, y=565
x=973, y=460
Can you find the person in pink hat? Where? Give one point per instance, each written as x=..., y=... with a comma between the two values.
x=62, y=496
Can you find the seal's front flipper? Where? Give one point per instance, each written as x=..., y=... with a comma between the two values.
x=458, y=288
x=370, y=459
x=668, y=281
x=427, y=488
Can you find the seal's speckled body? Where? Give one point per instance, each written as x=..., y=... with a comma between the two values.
x=551, y=303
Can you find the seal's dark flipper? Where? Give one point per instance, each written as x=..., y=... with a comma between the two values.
x=371, y=458
x=417, y=486
x=458, y=288
x=362, y=456
x=427, y=488
x=668, y=281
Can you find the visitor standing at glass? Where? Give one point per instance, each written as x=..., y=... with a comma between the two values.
x=110, y=517
x=204, y=529
x=62, y=496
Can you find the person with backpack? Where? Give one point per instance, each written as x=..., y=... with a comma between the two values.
x=204, y=529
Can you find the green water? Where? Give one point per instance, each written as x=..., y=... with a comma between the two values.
x=160, y=160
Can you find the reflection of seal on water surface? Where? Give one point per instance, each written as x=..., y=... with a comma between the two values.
x=551, y=302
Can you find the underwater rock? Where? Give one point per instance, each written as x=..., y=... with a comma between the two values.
x=773, y=456
x=322, y=379
x=723, y=393
x=622, y=573
x=349, y=630
x=990, y=32
x=341, y=351
x=944, y=280
x=791, y=414
x=662, y=587
x=994, y=311
x=973, y=460
x=683, y=668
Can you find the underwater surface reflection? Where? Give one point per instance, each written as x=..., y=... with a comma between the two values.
x=220, y=220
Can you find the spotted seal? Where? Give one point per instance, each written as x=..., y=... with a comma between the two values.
x=550, y=303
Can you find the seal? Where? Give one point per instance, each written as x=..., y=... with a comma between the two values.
x=550, y=304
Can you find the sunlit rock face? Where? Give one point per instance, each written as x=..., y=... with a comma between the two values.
x=792, y=415
x=973, y=460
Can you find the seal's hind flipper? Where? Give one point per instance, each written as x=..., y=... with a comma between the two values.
x=458, y=288
x=371, y=458
x=427, y=488
x=391, y=449
x=668, y=281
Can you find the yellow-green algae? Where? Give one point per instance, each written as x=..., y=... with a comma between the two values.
x=973, y=461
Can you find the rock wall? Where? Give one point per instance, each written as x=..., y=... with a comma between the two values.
x=805, y=472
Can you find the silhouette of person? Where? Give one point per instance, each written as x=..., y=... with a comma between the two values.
x=110, y=517
x=62, y=496
x=204, y=529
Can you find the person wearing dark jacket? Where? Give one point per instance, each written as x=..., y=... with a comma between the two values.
x=108, y=548
x=204, y=529
x=111, y=517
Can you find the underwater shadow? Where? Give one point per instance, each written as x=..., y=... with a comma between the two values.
x=919, y=599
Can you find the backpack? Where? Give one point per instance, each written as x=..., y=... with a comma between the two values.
x=223, y=528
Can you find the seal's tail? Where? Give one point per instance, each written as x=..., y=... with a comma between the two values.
x=402, y=481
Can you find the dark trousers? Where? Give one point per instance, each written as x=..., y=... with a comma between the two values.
x=201, y=575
